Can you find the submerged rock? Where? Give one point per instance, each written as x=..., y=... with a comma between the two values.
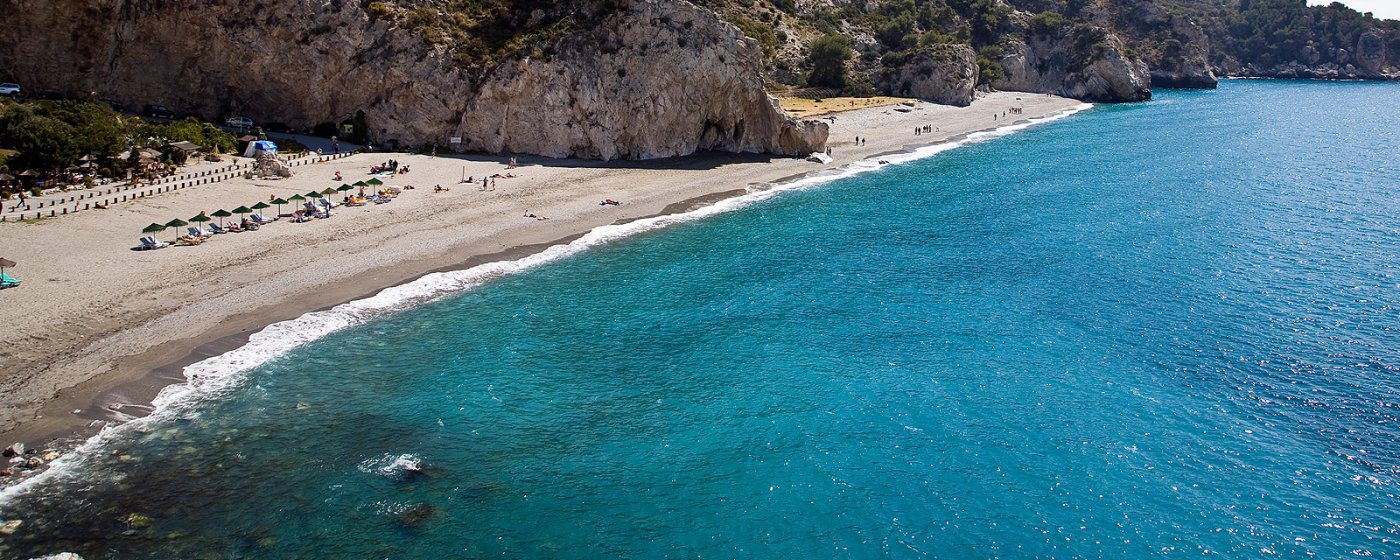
x=138, y=521
x=9, y=527
x=418, y=514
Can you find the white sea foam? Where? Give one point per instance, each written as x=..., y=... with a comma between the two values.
x=220, y=374
x=391, y=465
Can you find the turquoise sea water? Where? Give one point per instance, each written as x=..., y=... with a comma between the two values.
x=1168, y=329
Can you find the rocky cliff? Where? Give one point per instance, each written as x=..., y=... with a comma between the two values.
x=1082, y=62
x=631, y=87
x=656, y=80
x=1375, y=56
x=944, y=74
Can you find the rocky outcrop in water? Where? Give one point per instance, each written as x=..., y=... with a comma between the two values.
x=1375, y=57
x=944, y=74
x=634, y=87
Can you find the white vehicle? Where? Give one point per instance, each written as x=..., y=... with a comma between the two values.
x=9, y=89
x=240, y=123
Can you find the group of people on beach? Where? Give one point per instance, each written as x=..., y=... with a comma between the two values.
x=926, y=129
x=391, y=166
x=1012, y=111
x=860, y=141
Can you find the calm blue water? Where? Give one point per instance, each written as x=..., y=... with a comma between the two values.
x=1155, y=330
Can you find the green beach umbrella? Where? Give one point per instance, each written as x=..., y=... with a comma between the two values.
x=242, y=210
x=360, y=184
x=375, y=182
x=344, y=188
x=313, y=194
x=297, y=198
x=279, y=202
x=260, y=206
x=176, y=223
x=221, y=214
x=329, y=191
x=200, y=218
x=153, y=228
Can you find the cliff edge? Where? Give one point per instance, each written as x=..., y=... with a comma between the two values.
x=622, y=81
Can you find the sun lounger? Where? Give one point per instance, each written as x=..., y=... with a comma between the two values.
x=149, y=243
x=260, y=219
x=7, y=282
x=217, y=229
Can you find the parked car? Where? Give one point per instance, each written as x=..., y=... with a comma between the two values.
x=9, y=89
x=158, y=112
x=239, y=123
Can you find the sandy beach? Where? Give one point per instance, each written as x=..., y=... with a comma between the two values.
x=93, y=319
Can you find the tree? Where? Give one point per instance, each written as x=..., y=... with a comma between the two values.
x=828, y=56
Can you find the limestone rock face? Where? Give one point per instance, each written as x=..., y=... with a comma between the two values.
x=1190, y=67
x=944, y=74
x=659, y=79
x=665, y=90
x=1054, y=63
x=1374, y=58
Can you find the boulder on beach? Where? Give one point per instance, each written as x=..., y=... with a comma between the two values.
x=9, y=527
x=14, y=450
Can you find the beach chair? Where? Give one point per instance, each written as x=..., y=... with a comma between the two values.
x=7, y=282
x=260, y=219
x=196, y=232
x=217, y=229
x=149, y=243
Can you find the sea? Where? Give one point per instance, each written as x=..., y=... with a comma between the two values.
x=1157, y=330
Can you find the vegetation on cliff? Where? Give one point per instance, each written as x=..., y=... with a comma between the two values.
x=1177, y=37
x=1267, y=33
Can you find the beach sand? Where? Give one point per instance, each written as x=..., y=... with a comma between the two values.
x=97, y=329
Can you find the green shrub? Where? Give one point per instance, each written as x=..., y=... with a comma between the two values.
x=828, y=55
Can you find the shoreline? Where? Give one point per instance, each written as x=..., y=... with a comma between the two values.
x=126, y=389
